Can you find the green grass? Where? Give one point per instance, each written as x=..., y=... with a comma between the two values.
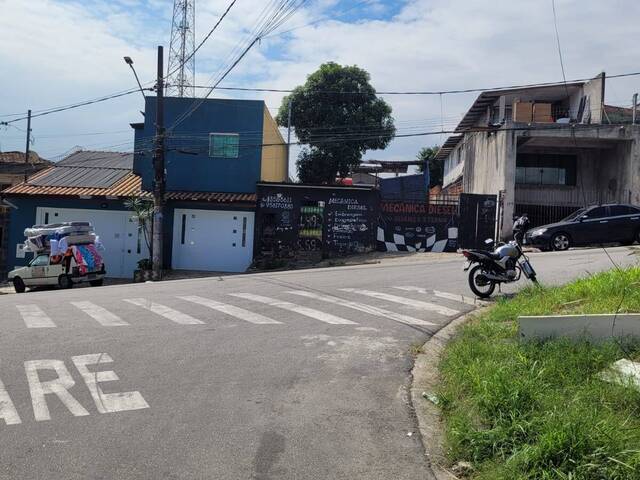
x=539, y=410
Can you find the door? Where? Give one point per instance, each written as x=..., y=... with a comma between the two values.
x=122, y=241
x=212, y=240
x=622, y=227
x=594, y=228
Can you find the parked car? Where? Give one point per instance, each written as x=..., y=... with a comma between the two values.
x=41, y=272
x=616, y=223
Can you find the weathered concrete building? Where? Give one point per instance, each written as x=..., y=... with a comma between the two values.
x=545, y=150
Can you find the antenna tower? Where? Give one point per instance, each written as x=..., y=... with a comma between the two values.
x=181, y=69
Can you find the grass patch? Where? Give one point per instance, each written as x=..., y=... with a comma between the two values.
x=538, y=410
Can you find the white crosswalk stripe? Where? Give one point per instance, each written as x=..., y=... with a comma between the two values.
x=292, y=307
x=231, y=310
x=34, y=317
x=164, y=311
x=405, y=301
x=448, y=296
x=101, y=315
x=371, y=310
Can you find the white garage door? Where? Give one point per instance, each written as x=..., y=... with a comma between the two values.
x=123, y=241
x=212, y=240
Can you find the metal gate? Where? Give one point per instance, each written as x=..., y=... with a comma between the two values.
x=477, y=219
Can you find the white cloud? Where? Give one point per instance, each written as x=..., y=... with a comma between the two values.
x=58, y=52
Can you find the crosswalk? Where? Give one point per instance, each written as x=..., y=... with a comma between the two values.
x=412, y=305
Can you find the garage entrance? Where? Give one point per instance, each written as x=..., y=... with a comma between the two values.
x=212, y=240
x=122, y=239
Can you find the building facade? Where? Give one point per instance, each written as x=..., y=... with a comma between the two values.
x=216, y=152
x=86, y=186
x=544, y=150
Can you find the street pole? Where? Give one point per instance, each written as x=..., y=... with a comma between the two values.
x=289, y=139
x=635, y=109
x=26, y=150
x=159, y=173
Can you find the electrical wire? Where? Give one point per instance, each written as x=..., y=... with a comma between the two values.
x=204, y=40
x=423, y=92
x=273, y=21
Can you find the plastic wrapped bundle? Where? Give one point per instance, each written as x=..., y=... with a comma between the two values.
x=59, y=229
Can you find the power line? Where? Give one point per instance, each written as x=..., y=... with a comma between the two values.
x=271, y=22
x=77, y=105
x=422, y=92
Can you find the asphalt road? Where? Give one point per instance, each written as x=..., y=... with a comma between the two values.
x=231, y=377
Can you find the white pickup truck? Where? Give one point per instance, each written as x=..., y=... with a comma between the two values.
x=41, y=272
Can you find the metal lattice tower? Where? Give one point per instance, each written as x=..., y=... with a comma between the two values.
x=180, y=73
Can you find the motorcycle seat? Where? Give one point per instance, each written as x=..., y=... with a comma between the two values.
x=494, y=256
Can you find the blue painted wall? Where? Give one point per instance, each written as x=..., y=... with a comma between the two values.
x=408, y=187
x=25, y=216
x=188, y=165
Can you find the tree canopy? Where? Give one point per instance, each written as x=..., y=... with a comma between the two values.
x=338, y=115
x=436, y=167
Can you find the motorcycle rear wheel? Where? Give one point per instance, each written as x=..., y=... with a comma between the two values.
x=482, y=291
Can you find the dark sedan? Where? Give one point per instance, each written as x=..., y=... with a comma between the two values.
x=589, y=226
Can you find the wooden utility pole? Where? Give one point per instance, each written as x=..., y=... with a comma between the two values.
x=26, y=150
x=159, y=174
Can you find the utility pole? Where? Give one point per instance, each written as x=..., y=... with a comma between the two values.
x=26, y=150
x=289, y=139
x=159, y=173
x=635, y=109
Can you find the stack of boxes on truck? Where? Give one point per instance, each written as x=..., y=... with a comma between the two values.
x=65, y=242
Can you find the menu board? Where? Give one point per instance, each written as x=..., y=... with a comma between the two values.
x=349, y=224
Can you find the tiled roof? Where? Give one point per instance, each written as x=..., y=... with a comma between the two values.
x=18, y=157
x=217, y=197
x=127, y=186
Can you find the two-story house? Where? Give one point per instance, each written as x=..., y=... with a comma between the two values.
x=546, y=150
x=216, y=150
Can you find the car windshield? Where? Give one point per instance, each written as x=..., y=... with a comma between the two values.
x=574, y=215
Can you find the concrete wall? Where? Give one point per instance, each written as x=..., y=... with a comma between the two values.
x=274, y=152
x=489, y=167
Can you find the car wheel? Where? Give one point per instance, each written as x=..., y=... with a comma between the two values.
x=97, y=283
x=18, y=285
x=64, y=282
x=560, y=242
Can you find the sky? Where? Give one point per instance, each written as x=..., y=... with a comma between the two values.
x=57, y=52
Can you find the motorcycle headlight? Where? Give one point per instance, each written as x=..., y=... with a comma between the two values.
x=538, y=232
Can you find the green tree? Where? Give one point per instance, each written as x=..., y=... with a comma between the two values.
x=436, y=166
x=339, y=116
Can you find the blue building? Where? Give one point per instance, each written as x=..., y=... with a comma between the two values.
x=216, y=152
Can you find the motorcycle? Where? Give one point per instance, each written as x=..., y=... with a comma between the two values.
x=505, y=264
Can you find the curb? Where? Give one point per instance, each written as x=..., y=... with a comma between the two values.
x=426, y=379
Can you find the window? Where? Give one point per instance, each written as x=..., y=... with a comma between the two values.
x=40, y=261
x=224, y=145
x=598, y=212
x=543, y=169
x=617, y=210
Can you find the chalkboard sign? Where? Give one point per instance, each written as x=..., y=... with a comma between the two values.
x=296, y=218
x=350, y=224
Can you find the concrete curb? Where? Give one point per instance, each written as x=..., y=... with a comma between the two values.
x=426, y=379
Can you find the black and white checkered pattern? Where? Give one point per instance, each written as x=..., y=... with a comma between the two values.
x=389, y=241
